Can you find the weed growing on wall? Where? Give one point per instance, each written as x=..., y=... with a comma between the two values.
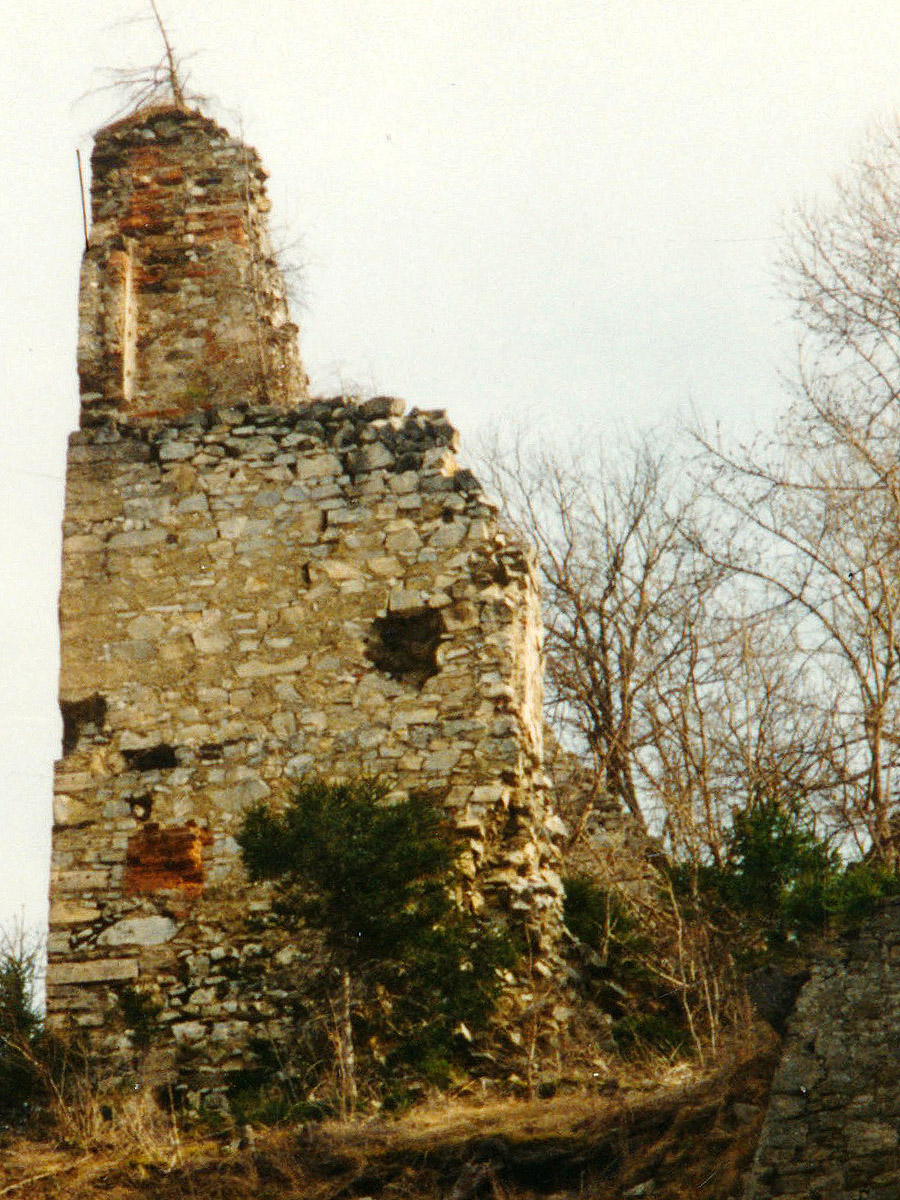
x=140, y=1015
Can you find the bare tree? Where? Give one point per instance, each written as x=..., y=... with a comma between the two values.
x=620, y=585
x=816, y=508
x=708, y=645
x=733, y=723
x=626, y=596
x=172, y=65
x=841, y=267
x=684, y=699
x=819, y=525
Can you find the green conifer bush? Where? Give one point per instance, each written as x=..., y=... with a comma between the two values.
x=374, y=876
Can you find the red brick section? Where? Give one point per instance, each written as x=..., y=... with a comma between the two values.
x=162, y=858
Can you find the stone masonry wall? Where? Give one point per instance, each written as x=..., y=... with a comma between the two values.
x=248, y=595
x=833, y=1126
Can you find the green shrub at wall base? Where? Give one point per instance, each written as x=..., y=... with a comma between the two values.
x=374, y=877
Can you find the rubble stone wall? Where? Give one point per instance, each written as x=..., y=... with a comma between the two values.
x=833, y=1125
x=249, y=595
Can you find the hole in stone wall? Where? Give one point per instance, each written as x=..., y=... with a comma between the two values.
x=155, y=758
x=141, y=806
x=78, y=716
x=492, y=571
x=405, y=645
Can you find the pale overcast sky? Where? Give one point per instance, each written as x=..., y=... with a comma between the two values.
x=559, y=212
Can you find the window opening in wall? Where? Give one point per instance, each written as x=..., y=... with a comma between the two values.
x=405, y=645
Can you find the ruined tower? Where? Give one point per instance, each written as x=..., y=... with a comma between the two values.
x=182, y=304
x=255, y=585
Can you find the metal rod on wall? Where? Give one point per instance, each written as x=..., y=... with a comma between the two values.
x=83, y=205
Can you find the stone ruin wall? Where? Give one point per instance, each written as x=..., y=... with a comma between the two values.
x=833, y=1126
x=251, y=592
x=256, y=585
x=249, y=596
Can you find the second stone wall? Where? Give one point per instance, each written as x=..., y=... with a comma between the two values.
x=833, y=1126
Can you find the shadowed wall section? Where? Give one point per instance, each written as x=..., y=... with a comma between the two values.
x=833, y=1126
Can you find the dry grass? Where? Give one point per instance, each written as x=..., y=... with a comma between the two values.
x=692, y=1133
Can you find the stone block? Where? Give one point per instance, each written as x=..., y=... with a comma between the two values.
x=188, y=1032
x=69, y=811
x=337, y=570
x=384, y=565
x=241, y=526
x=370, y=458
x=103, y=970
x=380, y=407
x=176, y=451
x=318, y=466
x=261, y=670
x=449, y=535
x=440, y=762
x=404, y=600
x=145, y=626
x=869, y=1136
x=62, y=882
x=238, y=796
x=232, y=1032
x=138, y=931
x=74, y=781
x=137, y=539
x=72, y=913
x=209, y=642
x=403, y=541
x=88, y=543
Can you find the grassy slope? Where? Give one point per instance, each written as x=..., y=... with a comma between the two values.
x=691, y=1136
